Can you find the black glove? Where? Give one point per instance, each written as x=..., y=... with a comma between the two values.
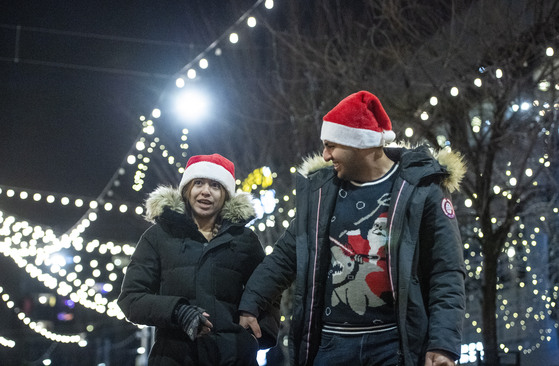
x=191, y=319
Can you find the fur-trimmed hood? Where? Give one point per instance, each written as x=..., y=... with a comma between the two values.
x=238, y=209
x=452, y=162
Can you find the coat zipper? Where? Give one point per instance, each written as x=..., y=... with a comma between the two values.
x=314, y=273
x=389, y=244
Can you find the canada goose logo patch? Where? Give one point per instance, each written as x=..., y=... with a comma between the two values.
x=448, y=209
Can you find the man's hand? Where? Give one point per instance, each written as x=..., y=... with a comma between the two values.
x=247, y=320
x=438, y=358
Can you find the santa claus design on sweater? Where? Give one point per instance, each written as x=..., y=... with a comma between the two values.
x=360, y=274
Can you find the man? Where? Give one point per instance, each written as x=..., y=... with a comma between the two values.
x=375, y=250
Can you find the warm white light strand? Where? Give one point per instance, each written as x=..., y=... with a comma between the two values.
x=36, y=326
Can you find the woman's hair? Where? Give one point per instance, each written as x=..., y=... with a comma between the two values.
x=185, y=195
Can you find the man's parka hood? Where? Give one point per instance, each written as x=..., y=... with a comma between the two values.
x=237, y=209
x=447, y=163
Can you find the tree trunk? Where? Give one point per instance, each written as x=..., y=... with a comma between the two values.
x=489, y=303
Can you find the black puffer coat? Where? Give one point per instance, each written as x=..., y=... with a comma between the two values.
x=425, y=256
x=174, y=263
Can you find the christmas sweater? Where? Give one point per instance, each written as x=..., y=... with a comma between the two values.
x=358, y=297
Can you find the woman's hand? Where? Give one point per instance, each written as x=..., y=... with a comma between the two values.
x=193, y=320
x=206, y=326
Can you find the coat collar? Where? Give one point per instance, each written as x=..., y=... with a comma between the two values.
x=238, y=209
x=415, y=163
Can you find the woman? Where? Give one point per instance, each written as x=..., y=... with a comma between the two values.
x=189, y=269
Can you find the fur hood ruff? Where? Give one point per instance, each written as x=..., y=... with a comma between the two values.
x=452, y=161
x=237, y=209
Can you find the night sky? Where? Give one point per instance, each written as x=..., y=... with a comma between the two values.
x=85, y=74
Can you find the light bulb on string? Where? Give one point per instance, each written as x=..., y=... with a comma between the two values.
x=251, y=22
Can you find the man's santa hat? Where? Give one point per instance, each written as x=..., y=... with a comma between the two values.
x=214, y=167
x=358, y=121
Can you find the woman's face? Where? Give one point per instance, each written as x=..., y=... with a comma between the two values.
x=206, y=198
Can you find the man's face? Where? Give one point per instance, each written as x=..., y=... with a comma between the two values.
x=347, y=160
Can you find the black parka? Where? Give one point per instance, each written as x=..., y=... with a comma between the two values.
x=424, y=250
x=174, y=263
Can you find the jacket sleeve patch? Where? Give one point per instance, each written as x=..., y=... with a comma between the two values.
x=447, y=207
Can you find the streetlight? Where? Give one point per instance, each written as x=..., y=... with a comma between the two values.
x=191, y=104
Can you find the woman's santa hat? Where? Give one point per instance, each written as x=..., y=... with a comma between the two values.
x=214, y=167
x=358, y=121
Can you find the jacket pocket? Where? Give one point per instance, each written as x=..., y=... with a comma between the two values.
x=247, y=348
x=416, y=319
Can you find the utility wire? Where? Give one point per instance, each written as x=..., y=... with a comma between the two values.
x=85, y=67
x=97, y=36
x=220, y=38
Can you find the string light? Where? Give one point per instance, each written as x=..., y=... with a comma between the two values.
x=7, y=342
x=36, y=326
x=510, y=313
x=251, y=22
x=34, y=247
x=408, y=132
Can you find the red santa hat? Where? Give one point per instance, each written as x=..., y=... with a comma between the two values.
x=214, y=167
x=359, y=121
x=383, y=217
